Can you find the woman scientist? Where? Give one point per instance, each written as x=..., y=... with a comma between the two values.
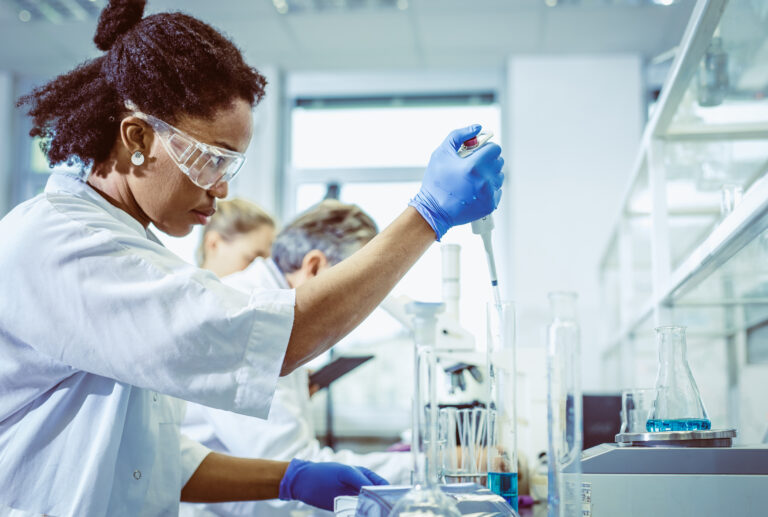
x=102, y=329
x=239, y=233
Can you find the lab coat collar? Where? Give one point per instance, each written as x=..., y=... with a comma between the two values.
x=76, y=185
x=278, y=275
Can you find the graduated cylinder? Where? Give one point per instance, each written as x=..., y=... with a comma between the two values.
x=502, y=407
x=564, y=408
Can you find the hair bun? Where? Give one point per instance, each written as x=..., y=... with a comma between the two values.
x=116, y=19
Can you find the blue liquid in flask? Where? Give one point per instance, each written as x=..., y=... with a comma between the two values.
x=505, y=485
x=678, y=424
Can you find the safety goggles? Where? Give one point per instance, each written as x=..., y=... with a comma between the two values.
x=206, y=165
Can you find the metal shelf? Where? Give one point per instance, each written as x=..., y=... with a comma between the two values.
x=689, y=267
x=735, y=131
x=748, y=220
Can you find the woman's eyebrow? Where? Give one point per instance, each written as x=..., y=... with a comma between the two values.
x=225, y=146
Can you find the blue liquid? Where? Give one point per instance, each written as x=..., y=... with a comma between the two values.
x=505, y=485
x=678, y=424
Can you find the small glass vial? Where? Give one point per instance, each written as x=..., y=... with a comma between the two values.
x=678, y=405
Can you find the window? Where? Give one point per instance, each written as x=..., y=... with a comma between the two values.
x=375, y=150
x=31, y=170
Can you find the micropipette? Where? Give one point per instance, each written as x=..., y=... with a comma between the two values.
x=483, y=226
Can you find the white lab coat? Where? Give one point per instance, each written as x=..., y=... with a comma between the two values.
x=101, y=328
x=288, y=433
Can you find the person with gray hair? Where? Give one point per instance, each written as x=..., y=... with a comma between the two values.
x=315, y=241
x=321, y=237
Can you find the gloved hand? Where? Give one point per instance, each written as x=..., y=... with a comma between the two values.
x=317, y=484
x=459, y=190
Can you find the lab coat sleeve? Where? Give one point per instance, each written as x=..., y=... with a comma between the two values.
x=288, y=433
x=192, y=455
x=119, y=305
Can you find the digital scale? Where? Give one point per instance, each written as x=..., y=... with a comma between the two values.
x=676, y=474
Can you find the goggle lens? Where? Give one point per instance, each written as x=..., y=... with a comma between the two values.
x=204, y=164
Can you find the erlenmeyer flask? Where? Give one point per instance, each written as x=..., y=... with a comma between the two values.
x=678, y=405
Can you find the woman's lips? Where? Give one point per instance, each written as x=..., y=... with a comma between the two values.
x=203, y=217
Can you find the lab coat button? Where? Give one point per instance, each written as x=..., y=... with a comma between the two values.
x=154, y=397
x=136, y=475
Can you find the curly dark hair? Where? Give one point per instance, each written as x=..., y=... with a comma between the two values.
x=167, y=64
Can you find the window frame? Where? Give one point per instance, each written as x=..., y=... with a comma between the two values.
x=350, y=88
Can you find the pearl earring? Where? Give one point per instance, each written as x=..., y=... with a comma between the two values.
x=137, y=158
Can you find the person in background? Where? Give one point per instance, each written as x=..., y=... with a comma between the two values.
x=237, y=234
x=104, y=332
x=322, y=236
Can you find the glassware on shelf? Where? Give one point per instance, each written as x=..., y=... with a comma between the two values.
x=502, y=410
x=564, y=408
x=678, y=405
x=730, y=195
x=713, y=75
x=425, y=498
x=635, y=406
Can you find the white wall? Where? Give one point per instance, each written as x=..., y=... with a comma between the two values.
x=573, y=129
x=6, y=139
x=258, y=180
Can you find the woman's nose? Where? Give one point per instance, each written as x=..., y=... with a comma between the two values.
x=219, y=190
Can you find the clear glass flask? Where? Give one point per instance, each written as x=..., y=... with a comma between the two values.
x=502, y=409
x=425, y=498
x=564, y=408
x=678, y=405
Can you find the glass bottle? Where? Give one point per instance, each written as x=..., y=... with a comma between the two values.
x=425, y=498
x=564, y=408
x=713, y=76
x=502, y=411
x=678, y=405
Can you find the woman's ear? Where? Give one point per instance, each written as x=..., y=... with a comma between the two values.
x=314, y=262
x=135, y=135
x=211, y=242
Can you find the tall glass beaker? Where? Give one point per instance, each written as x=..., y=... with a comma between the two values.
x=564, y=408
x=425, y=498
x=502, y=408
x=678, y=405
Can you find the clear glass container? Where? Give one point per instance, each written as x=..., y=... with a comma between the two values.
x=678, y=405
x=636, y=404
x=425, y=498
x=502, y=413
x=564, y=408
x=714, y=82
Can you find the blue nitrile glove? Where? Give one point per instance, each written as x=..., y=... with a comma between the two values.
x=317, y=484
x=459, y=190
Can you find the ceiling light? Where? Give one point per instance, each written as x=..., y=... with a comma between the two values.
x=336, y=6
x=280, y=6
x=57, y=11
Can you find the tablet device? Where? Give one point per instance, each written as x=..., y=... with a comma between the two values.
x=336, y=368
